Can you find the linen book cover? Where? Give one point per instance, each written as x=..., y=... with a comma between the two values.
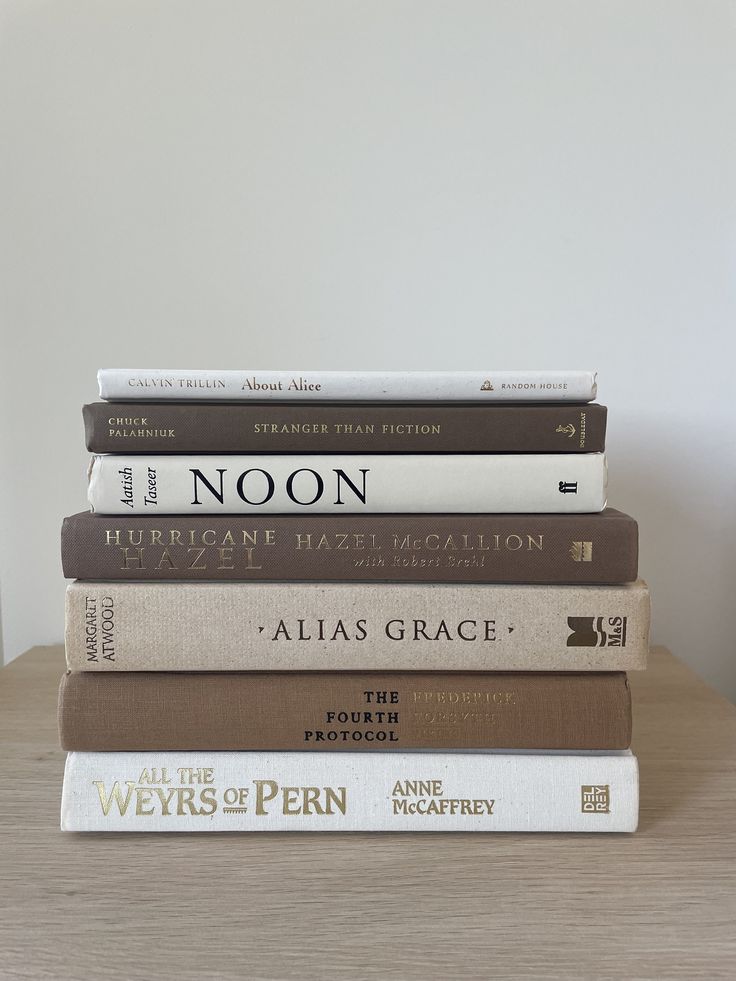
x=487, y=386
x=340, y=427
x=208, y=626
x=342, y=710
x=592, y=792
x=348, y=483
x=516, y=548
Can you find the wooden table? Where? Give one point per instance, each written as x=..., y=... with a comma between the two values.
x=657, y=904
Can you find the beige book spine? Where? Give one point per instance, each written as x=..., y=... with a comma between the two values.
x=173, y=626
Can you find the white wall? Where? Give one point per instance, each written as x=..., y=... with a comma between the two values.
x=378, y=184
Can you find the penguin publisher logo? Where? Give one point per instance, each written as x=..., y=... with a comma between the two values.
x=597, y=631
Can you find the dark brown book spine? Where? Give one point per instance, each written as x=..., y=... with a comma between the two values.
x=124, y=427
x=500, y=548
x=343, y=711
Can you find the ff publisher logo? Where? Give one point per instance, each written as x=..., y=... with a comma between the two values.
x=597, y=632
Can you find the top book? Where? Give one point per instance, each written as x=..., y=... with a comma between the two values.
x=150, y=384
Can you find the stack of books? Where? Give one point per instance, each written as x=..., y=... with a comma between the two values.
x=349, y=601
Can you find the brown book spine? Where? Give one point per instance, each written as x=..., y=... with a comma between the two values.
x=145, y=427
x=343, y=711
x=502, y=548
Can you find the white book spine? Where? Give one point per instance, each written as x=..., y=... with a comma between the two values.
x=347, y=484
x=152, y=384
x=262, y=626
x=499, y=791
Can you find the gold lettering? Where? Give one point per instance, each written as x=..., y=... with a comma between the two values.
x=197, y=557
x=134, y=561
x=115, y=795
x=340, y=800
x=291, y=800
x=266, y=790
x=311, y=801
x=249, y=560
x=226, y=558
x=186, y=797
x=166, y=557
x=143, y=796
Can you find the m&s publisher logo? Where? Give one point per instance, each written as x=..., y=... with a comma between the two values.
x=597, y=631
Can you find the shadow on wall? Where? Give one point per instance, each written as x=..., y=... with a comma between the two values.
x=687, y=549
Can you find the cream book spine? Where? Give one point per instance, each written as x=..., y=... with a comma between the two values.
x=498, y=791
x=152, y=384
x=307, y=626
x=348, y=483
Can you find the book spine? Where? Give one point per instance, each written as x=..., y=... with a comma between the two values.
x=126, y=384
x=555, y=482
x=255, y=427
x=370, y=626
x=521, y=548
x=349, y=792
x=343, y=711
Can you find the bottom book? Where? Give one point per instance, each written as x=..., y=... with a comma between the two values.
x=304, y=791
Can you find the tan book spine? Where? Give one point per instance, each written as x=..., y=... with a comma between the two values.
x=369, y=626
x=343, y=711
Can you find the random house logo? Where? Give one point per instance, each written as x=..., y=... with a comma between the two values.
x=597, y=631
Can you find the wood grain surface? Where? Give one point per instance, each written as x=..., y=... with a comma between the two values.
x=657, y=904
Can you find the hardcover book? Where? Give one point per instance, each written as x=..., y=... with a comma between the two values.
x=355, y=483
x=126, y=384
x=208, y=626
x=343, y=711
x=519, y=548
x=399, y=791
x=338, y=427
